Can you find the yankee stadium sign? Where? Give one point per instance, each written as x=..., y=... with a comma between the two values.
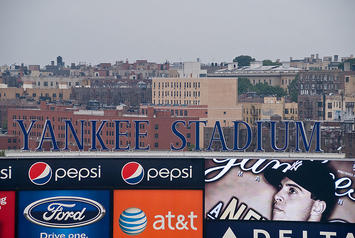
x=96, y=127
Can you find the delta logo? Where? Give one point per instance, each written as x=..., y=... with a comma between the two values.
x=132, y=173
x=158, y=213
x=40, y=173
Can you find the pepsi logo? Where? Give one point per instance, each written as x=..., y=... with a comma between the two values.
x=40, y=173
x=132, y=173
x=133, y=221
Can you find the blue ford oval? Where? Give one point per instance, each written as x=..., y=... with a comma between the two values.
x=64, y=212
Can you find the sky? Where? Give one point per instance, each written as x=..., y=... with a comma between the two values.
x=37, y=31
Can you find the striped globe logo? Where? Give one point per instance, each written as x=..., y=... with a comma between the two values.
x=132, y=173
x=133, y=221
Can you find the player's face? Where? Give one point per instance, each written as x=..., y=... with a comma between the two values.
x=292, y=202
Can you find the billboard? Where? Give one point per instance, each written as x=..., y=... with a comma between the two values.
x=65, y=213
x=279, y=190
x=280, y=229
x=158, y=213
x=84, y=173
x=7, y=214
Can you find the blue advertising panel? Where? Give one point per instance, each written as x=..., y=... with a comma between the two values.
x=101, y=173
x=64, y=214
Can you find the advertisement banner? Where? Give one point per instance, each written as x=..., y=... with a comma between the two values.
x=280, y=190
x=267, y=229
x=6, y=174
x=158, y=213
x=99, y=173
x=7, y=214
x=64, y=214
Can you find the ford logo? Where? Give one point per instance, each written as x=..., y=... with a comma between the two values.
x=64, y=212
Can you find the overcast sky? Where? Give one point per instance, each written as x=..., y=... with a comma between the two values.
x=37, y=31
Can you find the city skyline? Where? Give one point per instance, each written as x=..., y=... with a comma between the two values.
x=108, y=31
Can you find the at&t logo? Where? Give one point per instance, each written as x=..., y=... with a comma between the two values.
x=132, y=173
x=133, y=221
x=40, y=173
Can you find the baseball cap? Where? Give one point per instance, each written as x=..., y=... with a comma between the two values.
x=314, y=176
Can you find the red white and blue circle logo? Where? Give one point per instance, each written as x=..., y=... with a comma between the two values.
x=132, y=173
x=40, y=173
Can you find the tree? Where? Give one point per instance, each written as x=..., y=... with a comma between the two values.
x=243, y=60
x=270, y=63
x=244, y=86
x=293, y=89
x=263, y=89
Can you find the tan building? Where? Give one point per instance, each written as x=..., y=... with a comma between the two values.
x=46, y=82
x=10, y=93
x=219, y=94
x=349, y=85
x=256, y=111
x=54, y=94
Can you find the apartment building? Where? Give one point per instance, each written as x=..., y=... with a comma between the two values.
x=219, y=94
x=271, y=106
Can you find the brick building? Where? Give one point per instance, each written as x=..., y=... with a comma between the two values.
x=159, y=131
x=8, y=142
x=326, y=95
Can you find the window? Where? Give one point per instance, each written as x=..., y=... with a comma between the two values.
x=156, y=145
x=330, y=105
x=347, y=79
x=329, y=114
x=156, y=126
x=286, y=111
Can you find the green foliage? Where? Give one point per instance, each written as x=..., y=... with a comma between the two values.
x=270, y=63
x=2, y=153
x=263, y=89
x=190, y=147
x=244, y=85
x=4, y=125
x=243, y=60
x=293, y=89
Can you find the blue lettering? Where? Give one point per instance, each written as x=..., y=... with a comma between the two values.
x=178, y=134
